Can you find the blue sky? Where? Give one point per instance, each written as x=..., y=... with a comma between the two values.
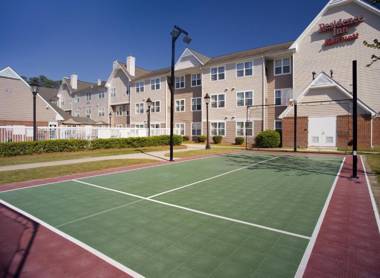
x=57, y=38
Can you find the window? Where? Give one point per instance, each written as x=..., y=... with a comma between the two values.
x=218, y=128
x=140, y=87
x=196, y=104
x=244, y=69
x=244, y=128
x=244, y=98
x=113, y=92
x=155, y=106
x=217, y=73
x=77, y=99
x=88, y=96
x=101, y=111
x=101, y=95
x=139, y=126
x=154, y=125
x=282, y=66
x=139, y=109
x=180, y=129
x=218, y=101
x=155, y=84
x=196, y=80
x=196, y=129
x=278, y=125
x=180, y=82
x=120, y=110
x=180, y=105
x=88, y=112
x=282, y=96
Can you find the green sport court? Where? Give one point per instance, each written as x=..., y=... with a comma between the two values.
x=237, y=215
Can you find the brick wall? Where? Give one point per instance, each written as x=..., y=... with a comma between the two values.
x=26, y=123
x=288, y=132
x=376, y=132
x=344, y=131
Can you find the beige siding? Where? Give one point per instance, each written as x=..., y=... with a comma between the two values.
x=94, y=104
x=65, y=99
x=312, y=56
x=230, y=86
x=120, y=83
x=17, y=103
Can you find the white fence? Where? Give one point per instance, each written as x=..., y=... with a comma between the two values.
x=25, y=133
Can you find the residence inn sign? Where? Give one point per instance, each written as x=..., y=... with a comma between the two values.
x=339, y=29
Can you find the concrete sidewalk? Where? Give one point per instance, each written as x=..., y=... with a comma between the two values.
x=157, y=155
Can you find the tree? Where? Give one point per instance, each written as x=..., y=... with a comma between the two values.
x=42, y=81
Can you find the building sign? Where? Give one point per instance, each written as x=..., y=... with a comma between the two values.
x=339, y=29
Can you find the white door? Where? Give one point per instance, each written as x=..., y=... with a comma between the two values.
x=322, y=132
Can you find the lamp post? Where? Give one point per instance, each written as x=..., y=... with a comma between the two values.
x=149, y=104
x=35, y=88
x=109, y=119
x=175, y=33
x=294, y=103
x=207, y=101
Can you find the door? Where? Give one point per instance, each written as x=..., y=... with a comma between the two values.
x=322, y=132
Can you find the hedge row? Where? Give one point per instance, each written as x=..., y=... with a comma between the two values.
x=72, y=145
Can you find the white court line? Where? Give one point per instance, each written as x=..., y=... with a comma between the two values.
x=373, y=202
x=155, y=165
x=77, y=242
x=306, y=256
x=97, y=213
x=211, y=178
x=198, y=211
x=152, y=196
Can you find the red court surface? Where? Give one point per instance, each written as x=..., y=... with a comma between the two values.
x=348, y=244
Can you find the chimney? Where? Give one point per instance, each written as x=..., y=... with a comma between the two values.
x=74, y=81
x=115, y=64
x=99, y=82
x=131, y=65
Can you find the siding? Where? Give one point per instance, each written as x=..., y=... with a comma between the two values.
x=17, y=103
x=312, y=56
x=120, y=83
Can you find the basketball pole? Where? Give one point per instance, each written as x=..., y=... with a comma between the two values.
x=354, y=120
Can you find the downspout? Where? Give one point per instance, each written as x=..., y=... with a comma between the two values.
x=263, y=88
x=371, y=132
x=166, y=104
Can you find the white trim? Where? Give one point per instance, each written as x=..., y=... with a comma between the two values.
x=282, y=65
x=322, y=12
x=191, y=80
x=178, y=128
x=184, y=105
x=335, y=84
x=306, y=256
x=244, y=75
x=191, y=108
x=216, y=121
x=192, y=53
x=138, y=113
x=274, y=122
x=373, y=202
x=180, y=81
x=191, y=126
x=217, y=101
x=81, y=244
x=217, y=72
x=244, y=91
x=155, y=84
x=245, y=128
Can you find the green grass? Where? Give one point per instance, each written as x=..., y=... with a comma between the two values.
x=158, y=240
x=184, y=154
x=74, y=155
x=56, y=171
x=374, y=163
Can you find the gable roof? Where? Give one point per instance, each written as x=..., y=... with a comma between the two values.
x=8, y=72
x=81, y=84
x=324, y=81
x=49, y=94
x=333, y=3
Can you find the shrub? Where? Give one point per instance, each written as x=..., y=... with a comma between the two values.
x=268, y=139
x=185, y=138
x=239, y=140
x=202, y=138
x=217, y=139
x=72, y=145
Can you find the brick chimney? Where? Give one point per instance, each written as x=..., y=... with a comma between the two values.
x=131, y=61
x=74, y=81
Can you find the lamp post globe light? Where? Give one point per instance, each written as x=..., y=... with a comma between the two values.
x=207, y=101
x=175, y=33
x=149, y=105
x=35, y=88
